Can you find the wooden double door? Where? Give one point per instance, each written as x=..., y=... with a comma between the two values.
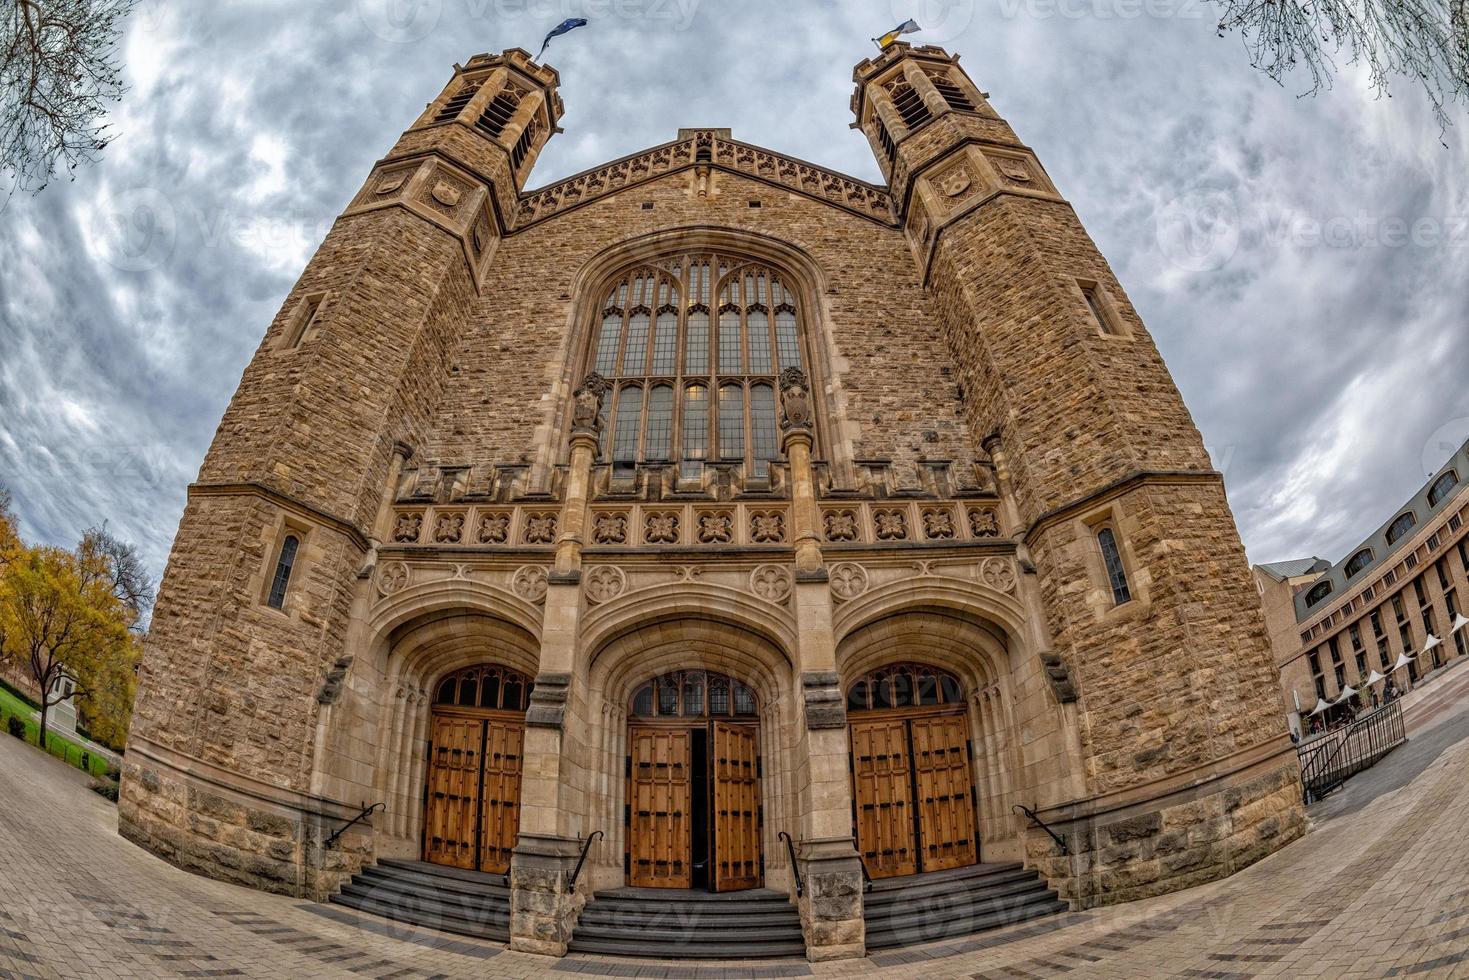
x=913, y=789
x=693, y=814
x=472, y=806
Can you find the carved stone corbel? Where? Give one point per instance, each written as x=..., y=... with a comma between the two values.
x=1059, y=677
x=548, y=701
x=586, y=412
x=825, y=706
x=795, y=400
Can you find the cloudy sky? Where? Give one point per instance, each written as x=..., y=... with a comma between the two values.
x=1302, y=262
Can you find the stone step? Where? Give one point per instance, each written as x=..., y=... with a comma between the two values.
x=693, y=951
x=764, y=904
x=881, y=885
x=496, y=928
x=958, y=908
x=735, y=925
x=702, y=933
x=424, y=884
x=409, y=894
x=958, y=902
x=595, y=914
x=928, y=931
x=421, y=869
x=921, y=888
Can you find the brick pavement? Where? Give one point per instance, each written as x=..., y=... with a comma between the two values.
x=1378, y=889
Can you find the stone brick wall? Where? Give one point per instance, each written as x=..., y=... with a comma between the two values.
x=888, y=359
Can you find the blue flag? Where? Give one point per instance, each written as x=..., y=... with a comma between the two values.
x=569, y=24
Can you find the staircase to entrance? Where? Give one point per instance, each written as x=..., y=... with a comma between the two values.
x=433, y=896
x=958, y=902
x=665, y=923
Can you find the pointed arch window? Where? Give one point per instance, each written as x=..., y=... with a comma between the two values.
x=693, y=347
x=907, y=685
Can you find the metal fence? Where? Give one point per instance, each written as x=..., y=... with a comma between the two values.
x=1329, y=761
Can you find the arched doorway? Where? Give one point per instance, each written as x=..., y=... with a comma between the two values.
x=693, y=772
x=472, y=806
x=912, y=771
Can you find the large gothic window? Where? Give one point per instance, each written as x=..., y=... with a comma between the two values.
x=693, y=348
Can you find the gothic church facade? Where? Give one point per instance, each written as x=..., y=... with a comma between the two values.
x=703, y=499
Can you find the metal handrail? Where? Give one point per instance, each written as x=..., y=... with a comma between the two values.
x=576, y=872
x=866, y=875
x=1065, y=851
x=1382, y=731
x=366, y=812
x=795, y=865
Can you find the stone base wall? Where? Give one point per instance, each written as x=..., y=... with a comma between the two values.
x=831, y=900
x=1143, y=852
x=212, y=832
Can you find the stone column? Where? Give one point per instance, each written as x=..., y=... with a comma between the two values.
x=827, y=860
x=543, y=908
x=925, y=88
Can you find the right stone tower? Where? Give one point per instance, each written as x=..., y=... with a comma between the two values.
x=1132, y=554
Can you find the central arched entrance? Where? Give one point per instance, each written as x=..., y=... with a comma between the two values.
x=912, y=771
x=472, y=806
x=693, y=783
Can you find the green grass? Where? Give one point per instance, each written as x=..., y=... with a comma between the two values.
x=60, y=746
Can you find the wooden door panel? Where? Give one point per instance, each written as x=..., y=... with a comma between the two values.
x=659, y=845
x=500, y=801
x=736, y=807
x=883, y=788
x=944, y=780
x=453, y=791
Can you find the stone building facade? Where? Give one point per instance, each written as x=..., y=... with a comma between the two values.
x=713, y=464
x=1401, y=592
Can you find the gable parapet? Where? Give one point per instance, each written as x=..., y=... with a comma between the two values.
x=713, y=148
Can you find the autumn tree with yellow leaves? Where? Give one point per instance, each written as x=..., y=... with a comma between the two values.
x=73, y=616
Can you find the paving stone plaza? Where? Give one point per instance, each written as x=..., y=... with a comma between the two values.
x=1378, y=888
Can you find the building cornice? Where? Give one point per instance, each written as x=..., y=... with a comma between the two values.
x=359, y=537
x=1116, y=488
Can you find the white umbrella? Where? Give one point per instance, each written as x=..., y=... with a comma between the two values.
x=1347, y=692
x=1321, y=705
x=1460, y=621
x=1433, y=641
x=1403, y=661
x=1373, y=678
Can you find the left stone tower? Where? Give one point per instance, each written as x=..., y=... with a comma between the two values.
x=252, y=634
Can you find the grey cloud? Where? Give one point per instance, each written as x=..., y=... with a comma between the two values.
x=250, y=124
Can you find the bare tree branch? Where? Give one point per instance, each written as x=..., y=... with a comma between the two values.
x=58, y=74
x=124, y=568
x=1426, y=40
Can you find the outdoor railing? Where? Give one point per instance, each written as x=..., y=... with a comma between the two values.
x=795, y=865
x=1038, y=822
x=1328, y=762
x=367, y=811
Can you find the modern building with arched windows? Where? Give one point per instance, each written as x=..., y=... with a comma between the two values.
x=1392, y=611
x=709, y=531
